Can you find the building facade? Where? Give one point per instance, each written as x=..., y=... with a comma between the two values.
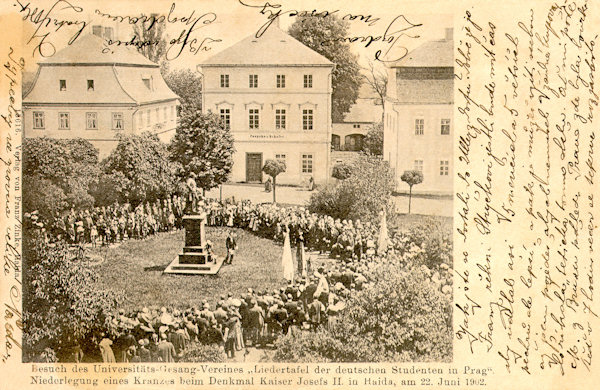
x=83, y=92
x=348, y=134
x=274, y=93
x=418, y=124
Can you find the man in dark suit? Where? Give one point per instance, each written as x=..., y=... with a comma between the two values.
x=231, y=245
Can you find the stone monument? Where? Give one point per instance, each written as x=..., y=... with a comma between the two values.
x=196, y=257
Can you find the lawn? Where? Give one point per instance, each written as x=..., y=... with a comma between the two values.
x=136, y=268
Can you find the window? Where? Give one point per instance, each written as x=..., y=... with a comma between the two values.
x=444, y=165
x=419, y=165
x=356, y=126
x=38, y=120
x=226, y=117
x=253, y=81
x=307, y=119
x=63, y=120
x=280, y=158
x=91, y=120
x=419, y=126
x=147, y=82
x=165, y=113
x=445, y=127
x=280, y=119
x=307, y=163
x=308, y=81
x=280, y=81
x=172, y=111
x=157, y=115
x=148, y=118
x=62, y=85
x=117, y=120
x=90, y=85
x=224, y=81
x=253, y=118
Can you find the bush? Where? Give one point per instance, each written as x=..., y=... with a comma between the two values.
x=373, y=141
x=44, y=196
x=341, y=171
x=402, y=316
x=200, y=353
x=362, y=195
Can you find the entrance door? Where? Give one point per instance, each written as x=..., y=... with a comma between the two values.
x=254, y=167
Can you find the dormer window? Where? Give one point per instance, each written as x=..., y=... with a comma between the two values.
x=62, y=85
x=147, y=81
x=90, y=85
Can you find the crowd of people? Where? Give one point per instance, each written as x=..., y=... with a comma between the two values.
x=255, y=318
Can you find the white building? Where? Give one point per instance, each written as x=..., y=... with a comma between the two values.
x=275, y=94
x=418, y=126
x=84, y=92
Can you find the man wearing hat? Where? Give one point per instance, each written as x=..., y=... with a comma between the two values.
x=231, y=245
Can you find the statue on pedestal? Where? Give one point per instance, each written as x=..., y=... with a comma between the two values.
x=193, y=199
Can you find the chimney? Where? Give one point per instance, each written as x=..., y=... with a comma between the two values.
x=108, y=33
x=97, y=31
x=449, y=34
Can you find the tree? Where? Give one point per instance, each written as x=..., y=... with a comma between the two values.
x=203, y=145
x=187, y=85
x=326, y=36
x=66, y=167
x=150, y=34
x=341, y=171
x=62, y=305
x=142, y=163
x=377, y=81
x=373, y=141
x=274, y=168
x=411, y=178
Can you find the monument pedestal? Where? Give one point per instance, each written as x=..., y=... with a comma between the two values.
x=195, y=258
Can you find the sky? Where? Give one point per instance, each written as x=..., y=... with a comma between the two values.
x=222, y=23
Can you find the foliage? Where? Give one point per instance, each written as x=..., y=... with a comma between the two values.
x=142, y=166
x=150, y=33
x=44, y=196
x=67, y=168
x=274, y=168
x=341, y=171
x=62, y=304
x=108, y=188
x=200, y=353
x=362, y=195
x=432, y=238
x=187, y=85
x=373, y=141
x=402, y=316
x=202, y=145
x=326, y=35
x=411, y=178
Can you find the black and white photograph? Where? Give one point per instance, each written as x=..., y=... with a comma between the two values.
x=299, y=194
x=282, y=194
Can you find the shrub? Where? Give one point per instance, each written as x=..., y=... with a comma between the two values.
x=204, y=353
x=373, y=141
x=341, y=171
x=402, y=316
x=362, y=195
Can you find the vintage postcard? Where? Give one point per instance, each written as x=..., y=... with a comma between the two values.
x=299, y=194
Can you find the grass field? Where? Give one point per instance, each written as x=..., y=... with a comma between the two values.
x=136, y=268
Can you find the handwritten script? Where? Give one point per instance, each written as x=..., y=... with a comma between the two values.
x=525, y=212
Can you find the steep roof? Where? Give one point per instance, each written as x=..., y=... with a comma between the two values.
x=274, y=47
x=90, y=49
x=430, y=54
